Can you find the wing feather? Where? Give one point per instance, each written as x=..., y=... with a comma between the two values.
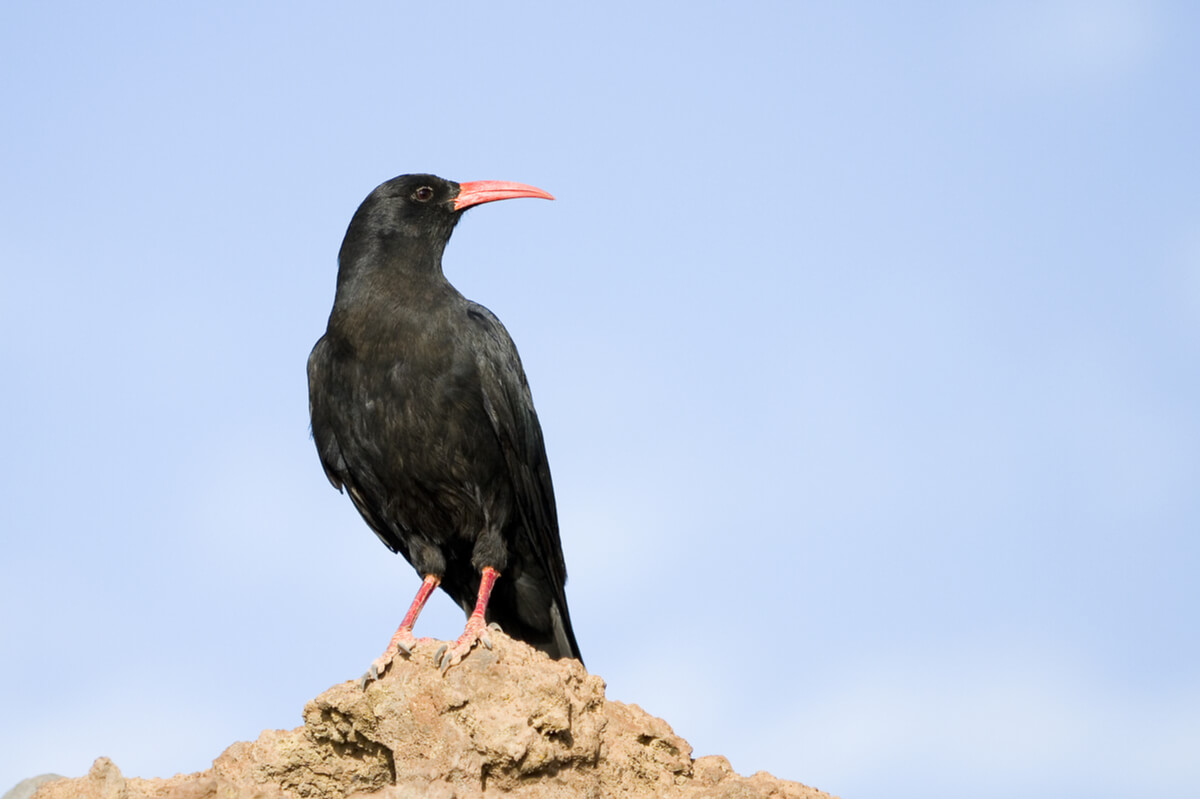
x=509, y=405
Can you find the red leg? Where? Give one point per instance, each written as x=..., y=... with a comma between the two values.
x=476, y=628
x=402, y=640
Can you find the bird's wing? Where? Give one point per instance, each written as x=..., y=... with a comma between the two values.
x=319, y=414
x=325, y=435
x=509, y=405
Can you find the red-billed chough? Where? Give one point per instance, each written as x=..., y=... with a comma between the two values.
x=421, y=412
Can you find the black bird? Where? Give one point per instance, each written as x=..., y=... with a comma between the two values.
x=421, y=411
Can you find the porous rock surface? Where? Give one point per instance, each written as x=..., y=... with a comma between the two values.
x=506, y=722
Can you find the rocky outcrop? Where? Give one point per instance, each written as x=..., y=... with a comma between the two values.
x=505, y=722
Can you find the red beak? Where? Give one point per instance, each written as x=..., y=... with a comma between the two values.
x=476, y=192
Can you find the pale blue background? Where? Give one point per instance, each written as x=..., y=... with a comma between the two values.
x=865, y=339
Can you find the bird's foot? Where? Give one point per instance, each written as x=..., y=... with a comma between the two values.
x=402, y=643
x=475, y=631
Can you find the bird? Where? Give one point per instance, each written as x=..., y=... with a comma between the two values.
x=421, y=411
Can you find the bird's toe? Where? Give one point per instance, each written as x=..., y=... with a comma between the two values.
x=475, y=631
x=451, y=657
x=378, y=667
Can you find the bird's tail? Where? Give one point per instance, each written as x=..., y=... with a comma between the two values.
x=564, y=637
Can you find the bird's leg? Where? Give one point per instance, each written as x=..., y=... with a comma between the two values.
x=402, y=640
x=476, y=628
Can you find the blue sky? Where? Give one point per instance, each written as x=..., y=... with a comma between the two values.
x=864, y=337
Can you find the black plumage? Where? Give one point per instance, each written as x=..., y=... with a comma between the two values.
x=421, y=411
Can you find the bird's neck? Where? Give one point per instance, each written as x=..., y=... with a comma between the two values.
x=393, y=266
x=386, y=277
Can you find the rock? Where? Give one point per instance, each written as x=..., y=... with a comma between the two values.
x=105, y=780
x=27, y=787
x=508, y=722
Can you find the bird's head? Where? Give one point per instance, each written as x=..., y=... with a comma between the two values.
x=417, y=213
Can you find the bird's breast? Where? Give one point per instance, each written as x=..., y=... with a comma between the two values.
x=410, y=415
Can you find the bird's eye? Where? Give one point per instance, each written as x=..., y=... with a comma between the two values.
x=424, y=194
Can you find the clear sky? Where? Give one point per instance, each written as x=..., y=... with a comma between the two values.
x=865, y=338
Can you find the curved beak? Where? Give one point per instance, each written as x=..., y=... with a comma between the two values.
x=473, y=193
